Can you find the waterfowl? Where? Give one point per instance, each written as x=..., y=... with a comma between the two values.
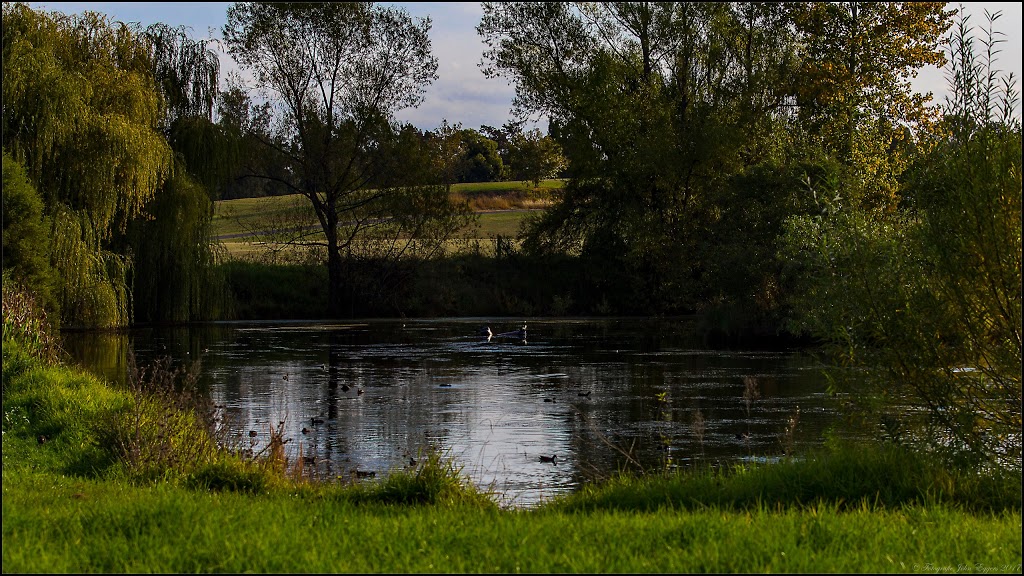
x=305, y=430
x=485, y=331
x=252, y=433
x=550, y=459
x=520, y=334
x=345, y=388
x=585, y=394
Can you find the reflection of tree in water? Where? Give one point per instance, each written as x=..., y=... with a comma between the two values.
x=494, y=418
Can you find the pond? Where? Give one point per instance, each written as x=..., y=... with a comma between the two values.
x=526, y=418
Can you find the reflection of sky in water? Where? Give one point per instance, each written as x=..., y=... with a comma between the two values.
x=587, y=392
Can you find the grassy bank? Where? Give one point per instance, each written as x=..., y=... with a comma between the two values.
x=75, y=500
x=88, y=526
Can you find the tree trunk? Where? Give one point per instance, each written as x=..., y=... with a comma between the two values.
x=334, y=267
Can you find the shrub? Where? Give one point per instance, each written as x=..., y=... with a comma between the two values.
x=26, y=236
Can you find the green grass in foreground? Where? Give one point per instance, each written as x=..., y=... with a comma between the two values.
x=70, y=505
x=54, y=524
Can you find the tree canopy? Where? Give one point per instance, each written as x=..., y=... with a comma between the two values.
x=82, y=114
x=90, y=106
x=337, y=73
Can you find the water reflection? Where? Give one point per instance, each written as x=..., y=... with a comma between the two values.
x=528, y=418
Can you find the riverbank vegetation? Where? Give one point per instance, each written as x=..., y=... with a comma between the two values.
x=765, y=166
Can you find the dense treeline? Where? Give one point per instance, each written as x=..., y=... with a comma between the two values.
x=490, y=154
x=765, y=165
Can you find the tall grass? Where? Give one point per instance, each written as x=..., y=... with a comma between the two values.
x=846, y=477
x=25, y=320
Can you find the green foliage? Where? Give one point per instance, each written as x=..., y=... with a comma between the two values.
x=656, y=107
x=26, y=242
x=64, y=411
x=166, y=428
x=535, y=157
x=66, y=422
x=175, y=276
x=340, y=71
x=255, y=170
x=745, y=287
x=95, y=291
x=480, y=161
x=89, y=106
x=845, y=476
x=275, y=291
x=688, y=129
x=230, y=475
x=925, y=300
x=186, y=72
x=82, y=114
x=434, y=481
x=854, y=90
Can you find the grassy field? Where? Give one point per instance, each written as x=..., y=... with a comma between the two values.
x=72, y=504
x=501, y=207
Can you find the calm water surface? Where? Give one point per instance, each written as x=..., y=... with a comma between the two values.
x=597, y=395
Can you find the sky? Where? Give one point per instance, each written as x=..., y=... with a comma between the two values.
x=462, y=94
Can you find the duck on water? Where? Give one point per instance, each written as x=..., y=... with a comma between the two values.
x=520, y=334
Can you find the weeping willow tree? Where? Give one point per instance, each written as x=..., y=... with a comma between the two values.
x=92, y=109
x=83, y=117
x=175, y=276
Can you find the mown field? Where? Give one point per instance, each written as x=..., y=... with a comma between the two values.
x=500, y=206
